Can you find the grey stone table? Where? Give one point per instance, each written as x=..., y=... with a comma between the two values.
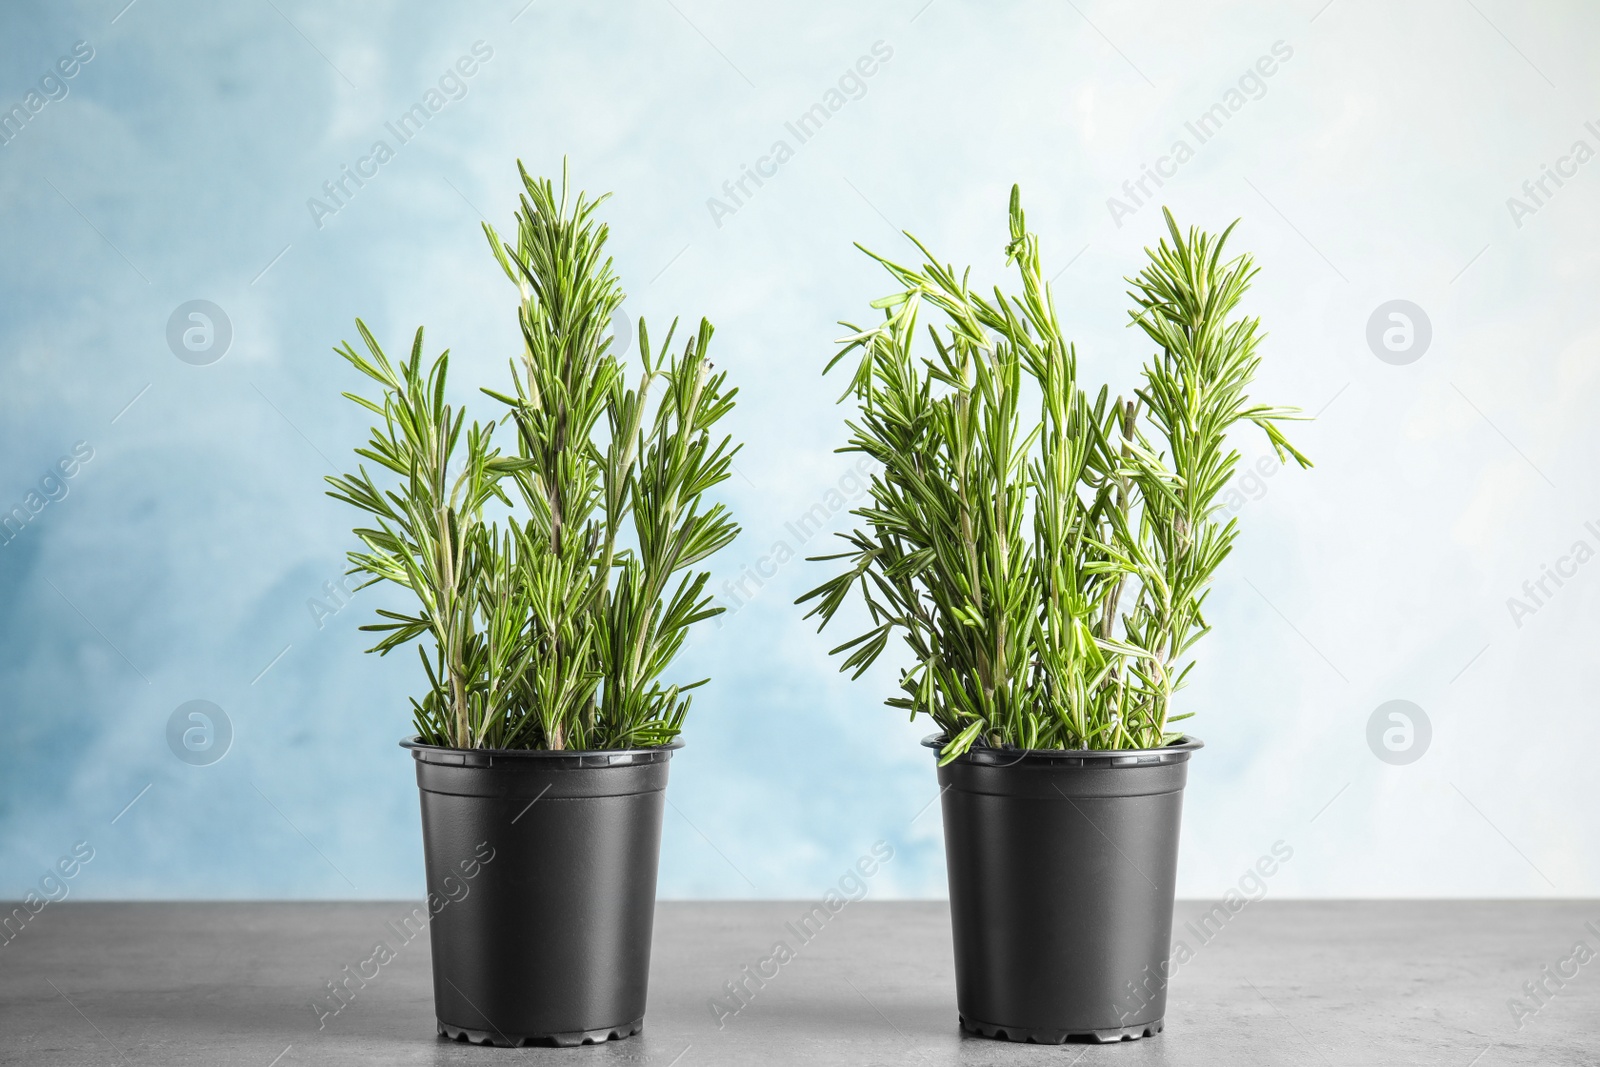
x=223, y=984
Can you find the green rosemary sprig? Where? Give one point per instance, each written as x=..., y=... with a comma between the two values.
x=554, y=629
x=1047, y=573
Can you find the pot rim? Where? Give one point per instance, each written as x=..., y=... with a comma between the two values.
x=584, y=757
x=1177, y=752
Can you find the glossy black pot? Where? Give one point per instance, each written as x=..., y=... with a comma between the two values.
x=1062, y=866
x=541, y=889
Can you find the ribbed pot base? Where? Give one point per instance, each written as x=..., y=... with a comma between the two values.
x=576, y=1037
x=1045, y=1036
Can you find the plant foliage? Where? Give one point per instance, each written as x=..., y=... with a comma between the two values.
x=1047, y=572
x=555, y=581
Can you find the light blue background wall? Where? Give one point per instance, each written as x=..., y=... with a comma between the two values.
x=1375, y=165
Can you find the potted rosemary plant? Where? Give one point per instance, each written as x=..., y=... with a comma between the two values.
x=554, y=581
x=1048, y=573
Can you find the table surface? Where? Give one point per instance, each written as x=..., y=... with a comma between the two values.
x=1283, y=982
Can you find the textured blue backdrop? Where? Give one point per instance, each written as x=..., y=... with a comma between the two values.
x=231, y=154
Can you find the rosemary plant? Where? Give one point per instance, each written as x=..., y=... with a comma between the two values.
x=554, y=583
x=1047, y=573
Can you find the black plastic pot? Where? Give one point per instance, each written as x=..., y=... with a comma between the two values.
x=1062, y=866
x=542, y=889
